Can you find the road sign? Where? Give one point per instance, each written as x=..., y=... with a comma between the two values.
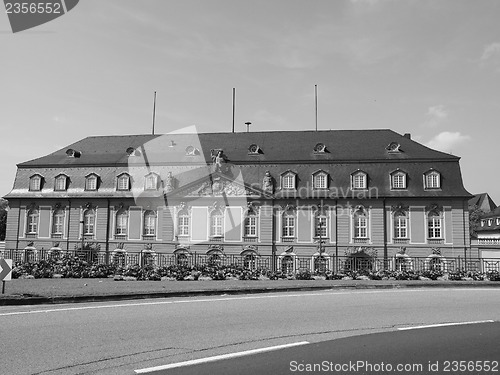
x=5, y=269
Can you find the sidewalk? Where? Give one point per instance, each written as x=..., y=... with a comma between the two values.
x=47, y=291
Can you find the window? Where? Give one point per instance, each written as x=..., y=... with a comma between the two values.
x=320, y=225
x=60, y=183
x=434, y=225
x=32, y=227
x=320, y=180
x=251, y=225
x=498, y=220
x=121, y=222
x=400, y=225
x=399, y=180
x=183, y=224
x=289, y=225
x=149, y=223
x=359, y=180
x=216, y=224
x=288, y=181
x=58, y=222
x=36, y=183
x=123, y=182
x=360, y=224
x=88, y=222
x=287, y=264
x=432, y=180
x=91, y=182
x=151, y=182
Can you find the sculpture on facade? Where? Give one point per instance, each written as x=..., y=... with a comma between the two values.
x=267, y=183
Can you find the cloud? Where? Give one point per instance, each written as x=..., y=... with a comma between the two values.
x=446, y=141
x=491, y=51
x=436, y=115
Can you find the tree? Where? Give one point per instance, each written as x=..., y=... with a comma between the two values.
x=475, y=214
x=4, y=204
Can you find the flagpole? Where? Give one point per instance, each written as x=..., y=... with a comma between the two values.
x=154, y=114
x=316, y=104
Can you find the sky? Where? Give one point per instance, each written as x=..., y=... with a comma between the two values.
x=429, y=68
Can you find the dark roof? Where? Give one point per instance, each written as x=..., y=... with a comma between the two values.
x=279, y=146
x=482, y=201
x=346, y=152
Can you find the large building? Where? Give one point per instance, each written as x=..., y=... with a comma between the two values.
x=283, y=196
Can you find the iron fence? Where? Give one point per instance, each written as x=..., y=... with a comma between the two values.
x=286, y=263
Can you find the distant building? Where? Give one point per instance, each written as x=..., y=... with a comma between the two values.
x=488, y=235
x=250, y=195
x=482, y=202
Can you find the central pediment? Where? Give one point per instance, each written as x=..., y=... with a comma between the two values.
x=217, y=185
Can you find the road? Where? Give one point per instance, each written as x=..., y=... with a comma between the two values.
x=118, y=338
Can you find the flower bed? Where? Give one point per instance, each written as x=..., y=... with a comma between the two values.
x=73, y=267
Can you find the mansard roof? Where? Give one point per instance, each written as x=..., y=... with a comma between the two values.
x=277, y=146
x=344, y=152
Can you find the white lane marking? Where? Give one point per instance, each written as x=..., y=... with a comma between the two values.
x=219, y=357
x=311, y=294
x=280, y=295
x=446, y=324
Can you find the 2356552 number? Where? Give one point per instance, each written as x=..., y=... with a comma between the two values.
x=33, y=8
x=471, y=366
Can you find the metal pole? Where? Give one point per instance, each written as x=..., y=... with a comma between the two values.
x=316, y=104
x=154, y=113
x=3, y=286
x=234, y=97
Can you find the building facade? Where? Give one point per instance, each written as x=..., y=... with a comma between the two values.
x=276, y=195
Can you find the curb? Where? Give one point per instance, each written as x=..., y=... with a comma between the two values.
x=38, y=300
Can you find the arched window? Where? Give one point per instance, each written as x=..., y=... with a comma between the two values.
x=288, y=264
x=119, y=258
x=148, y=258
x=400, y=225
x=358, y=180
x=321, y=263
x=320, y=180
x=58, y=223
x=32, y=225
x=434, y=225
x=360, y=219
x=88, y=222
x=121, y=223
x=249, y=259
x=35, y=183
x=123, y=182
x=60, y=183
x=151, y=182
x=288, y=181
x=91, y=182
x=398, y=180
x=216, y=223
x=432, y=180
x=149, y=223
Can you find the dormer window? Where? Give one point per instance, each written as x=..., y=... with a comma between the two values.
x=36, y=182
x=123, y=182
x=60, y=183
x=398, y=180
x=73, y=153
x=498, y=220
x=91, y=182
x=320, y=180
x=131, y=151
x=482, y=223
x=358, y=180
x=254, y=150
x=192, y=151
x=151, y=182
x=432, y=180
x=288, y=181
x=490, y=221
x=393, y=147
x=320, y=148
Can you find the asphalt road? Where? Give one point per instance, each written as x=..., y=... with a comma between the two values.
x=460, y=349
x=118, y=338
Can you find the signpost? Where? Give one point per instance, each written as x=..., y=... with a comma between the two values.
x=5, y=272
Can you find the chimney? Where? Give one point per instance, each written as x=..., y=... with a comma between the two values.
x=407, y=135
x=248, y=126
